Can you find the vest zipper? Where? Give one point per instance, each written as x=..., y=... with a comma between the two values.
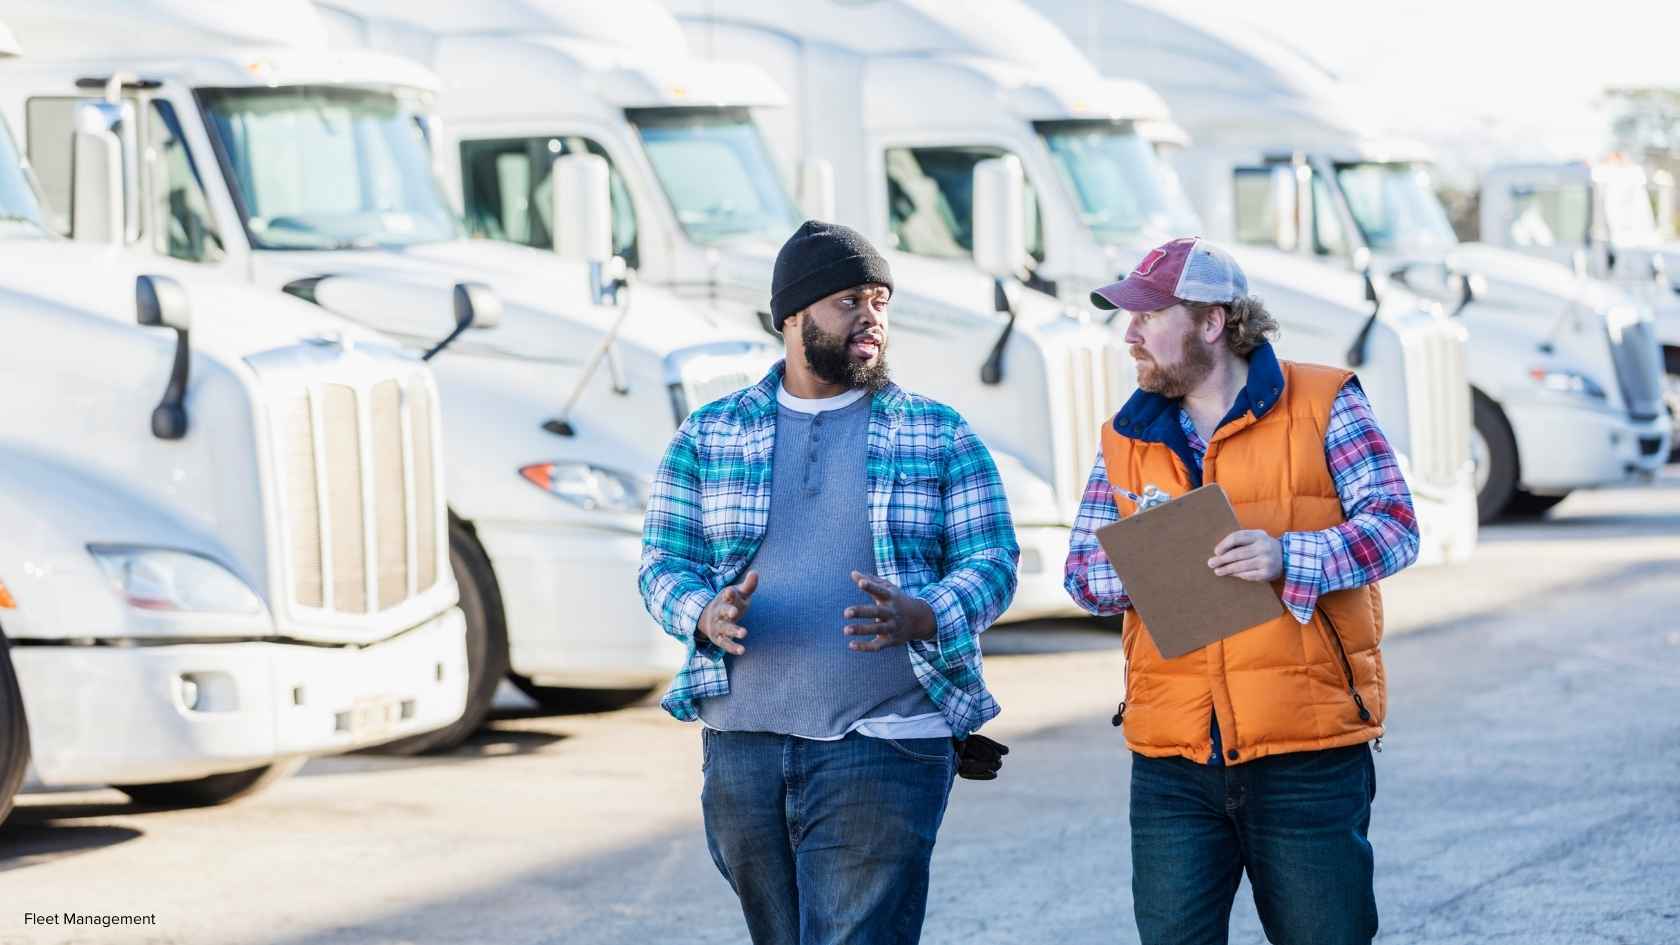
x=1347, y=667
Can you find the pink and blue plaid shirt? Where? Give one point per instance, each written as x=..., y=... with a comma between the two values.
x=1379, y=538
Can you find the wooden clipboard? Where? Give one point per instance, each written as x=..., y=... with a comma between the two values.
x=1161, y=556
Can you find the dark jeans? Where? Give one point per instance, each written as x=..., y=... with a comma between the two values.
x=826, y=842
x=1295, y=822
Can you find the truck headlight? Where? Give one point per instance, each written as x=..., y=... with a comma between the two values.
x=1568, y=382
x=162, y=579
x=588, y=487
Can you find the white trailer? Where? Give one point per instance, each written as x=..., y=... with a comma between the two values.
x=1607, y=218
x=223, y=527
x=905, y=98
x=698, y=206
x=310, y=171
x=1565, y=391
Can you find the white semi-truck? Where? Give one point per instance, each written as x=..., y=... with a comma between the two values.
x=1566, y=394
x=224, y=523
x=905, y=98
x=1610, y=219
x=698, y=206
x=311, y=171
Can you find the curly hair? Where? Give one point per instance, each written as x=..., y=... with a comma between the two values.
x=1247, y=323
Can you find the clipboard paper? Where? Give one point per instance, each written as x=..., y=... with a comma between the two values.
x=1161, y=556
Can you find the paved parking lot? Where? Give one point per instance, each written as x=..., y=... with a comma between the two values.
x=1527, y=793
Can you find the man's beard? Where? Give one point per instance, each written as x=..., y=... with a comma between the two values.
x=1180, y=379
x=829, y=359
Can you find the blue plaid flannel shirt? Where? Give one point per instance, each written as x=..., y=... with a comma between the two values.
x=937, y=509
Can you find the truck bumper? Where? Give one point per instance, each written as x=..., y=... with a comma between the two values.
x=142, y=714
x=1447, y=523
x=1563, y=447
x=1038, y=591
x=574, y=613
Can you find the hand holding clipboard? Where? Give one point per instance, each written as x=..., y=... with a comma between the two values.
x=1161, y=555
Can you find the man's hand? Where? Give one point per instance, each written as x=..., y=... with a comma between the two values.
x=1250, y=554
x=894, y=618
x=718, y=622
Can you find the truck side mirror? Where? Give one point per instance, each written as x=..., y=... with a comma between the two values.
x=96, y=178
x=1286, y=197
x=1000, y=216
x=581, y=188
x=1471, y=286
x=476, y=306
x=581, y=185
x=160, y=302
x=816, y=188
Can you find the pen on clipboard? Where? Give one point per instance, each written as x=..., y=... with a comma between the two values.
x=1152, y=496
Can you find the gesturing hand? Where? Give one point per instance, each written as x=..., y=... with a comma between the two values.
x=718, y=622
x=894, y=618
x=1250, y=554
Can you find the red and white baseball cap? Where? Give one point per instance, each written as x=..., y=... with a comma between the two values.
x=1189, y=269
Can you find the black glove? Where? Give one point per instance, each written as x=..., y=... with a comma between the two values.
x=979, y=758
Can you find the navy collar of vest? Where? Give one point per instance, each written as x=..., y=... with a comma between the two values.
x=1149, y=416
x=759, y=400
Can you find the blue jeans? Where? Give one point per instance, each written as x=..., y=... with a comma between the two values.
x=1295, y=822
x=826, y=842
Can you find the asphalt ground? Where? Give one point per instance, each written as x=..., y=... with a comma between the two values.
x=1528, y=792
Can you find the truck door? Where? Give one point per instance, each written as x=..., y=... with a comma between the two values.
x=505, y=190
x=930, y=201
x=171, y=215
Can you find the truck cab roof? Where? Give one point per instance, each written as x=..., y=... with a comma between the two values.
x=246, y=67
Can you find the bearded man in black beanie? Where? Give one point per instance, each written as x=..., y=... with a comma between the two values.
x=829, y=547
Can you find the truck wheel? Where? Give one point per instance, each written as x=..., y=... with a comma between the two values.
x=566, y=699
x=1494, y=451
x=14, y=733
x=487, y=647
x=1528, y=505
x=212, y=790
x=1671, y=394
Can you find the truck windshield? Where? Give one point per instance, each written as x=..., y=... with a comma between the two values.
x=1395, y=207
x=20, y=210
x=716, y=172
x=1122, y=187
x=327, y=167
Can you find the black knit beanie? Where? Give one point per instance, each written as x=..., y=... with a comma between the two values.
x=818, y=261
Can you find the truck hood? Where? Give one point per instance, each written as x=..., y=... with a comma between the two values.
x=230, y=319
x=1520, y=280
x=952, y=285
x=547, y=312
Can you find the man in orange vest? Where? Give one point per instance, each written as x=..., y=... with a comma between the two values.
x=1249, y=754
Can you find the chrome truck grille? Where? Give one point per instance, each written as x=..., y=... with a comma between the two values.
x=1639, y=370
x=362, y=510
x=1438, y=393
x=1096, y=380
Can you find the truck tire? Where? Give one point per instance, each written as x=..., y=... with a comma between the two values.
x=212, y=790
x=14, y=733
x=1671, y=395
x=1528, y=505
x=1494, y=450
x=566, y=699
x=487, y=647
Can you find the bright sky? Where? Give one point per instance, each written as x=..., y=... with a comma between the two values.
x=1493, y=79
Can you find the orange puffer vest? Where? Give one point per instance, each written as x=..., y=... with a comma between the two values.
x=1281, y=686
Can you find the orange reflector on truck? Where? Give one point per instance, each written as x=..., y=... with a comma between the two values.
x=6, y=600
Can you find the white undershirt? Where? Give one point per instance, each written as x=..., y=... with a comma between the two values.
x=923, y=725
x=818, y=404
